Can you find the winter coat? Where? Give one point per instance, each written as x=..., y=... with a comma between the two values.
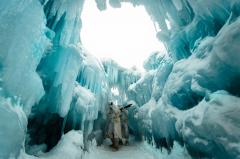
x=124, y=123
x=114, y=123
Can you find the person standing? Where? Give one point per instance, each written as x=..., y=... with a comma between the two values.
x=114, y=131
x=124, y=126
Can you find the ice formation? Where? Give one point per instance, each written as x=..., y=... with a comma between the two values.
x=13, y=125
x=22, y=47
x=120, y=78
x=205, y=132
x=50, y=85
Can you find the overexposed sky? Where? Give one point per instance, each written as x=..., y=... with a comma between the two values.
x=126, y=35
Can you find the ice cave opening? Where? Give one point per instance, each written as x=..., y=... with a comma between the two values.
x=56, y=90
x=122, y=28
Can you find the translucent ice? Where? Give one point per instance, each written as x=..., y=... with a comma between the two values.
x=13, y=123
x=64, y=18
x=59, y=70
x=22, y=45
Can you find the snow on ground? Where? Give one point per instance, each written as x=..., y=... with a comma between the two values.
x=135, y=150
x=71, y=147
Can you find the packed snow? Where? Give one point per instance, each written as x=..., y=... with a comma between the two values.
x=71, y=147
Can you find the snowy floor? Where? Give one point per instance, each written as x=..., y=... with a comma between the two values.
x=132, y=151
x=135, y=150
x=70, y=147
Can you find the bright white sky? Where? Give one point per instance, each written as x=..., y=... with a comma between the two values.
x=126, y=35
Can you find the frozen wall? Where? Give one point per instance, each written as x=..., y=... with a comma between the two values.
x=212, y=126
x=141, y=91
x=68, y=72
x=42, y=64
x=64, y=19
x=58, y=70
x=22, y=45
x=120, y=78
x=194, y=80
x=13, y=125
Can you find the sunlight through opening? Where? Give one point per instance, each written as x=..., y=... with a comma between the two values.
x=126, y=35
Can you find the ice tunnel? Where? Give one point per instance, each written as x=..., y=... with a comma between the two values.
x=55, y=94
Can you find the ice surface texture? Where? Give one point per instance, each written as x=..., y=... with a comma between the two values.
x=182, y=97
x=22, y=47
x=13, y=125
x=212, y=126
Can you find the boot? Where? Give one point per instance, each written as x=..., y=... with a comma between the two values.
x=116, y=144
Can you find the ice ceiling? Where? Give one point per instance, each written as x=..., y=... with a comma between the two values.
x=126, y=35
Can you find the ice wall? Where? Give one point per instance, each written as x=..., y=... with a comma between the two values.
x=66, y=68
x=196, y=78
x=141, y=90
x=212, y=126
x=120, y=78
x=207, y=70
x=92, y=76
x=153, y=61
x=42, y=64
x=22, y=47
x=64, y=19
x=13, y=125
x=161, y=76
x=82, y=107
x=59, y=70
